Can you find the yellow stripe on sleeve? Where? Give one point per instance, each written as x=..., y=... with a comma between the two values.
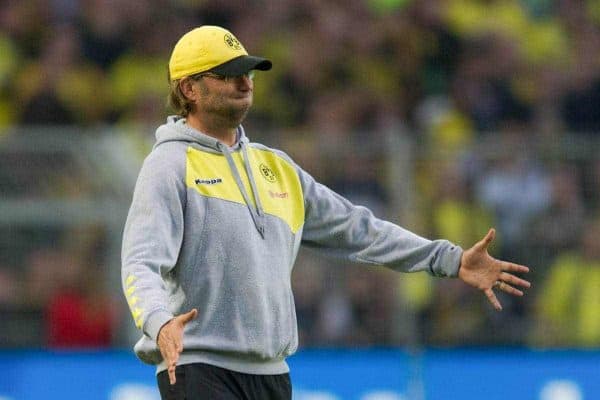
x=130, y=280
x=130, y=290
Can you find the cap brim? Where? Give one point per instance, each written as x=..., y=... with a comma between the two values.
x=242, y=65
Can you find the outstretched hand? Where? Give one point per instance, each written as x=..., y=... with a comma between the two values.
x=480, y=270
x=170, y=340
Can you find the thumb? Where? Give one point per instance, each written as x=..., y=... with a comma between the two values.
x=187, y=317
x=485, y=242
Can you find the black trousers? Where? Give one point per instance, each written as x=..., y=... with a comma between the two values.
x=207, y=382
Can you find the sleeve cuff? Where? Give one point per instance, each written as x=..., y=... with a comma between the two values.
x=449, y=262
x=155, y=321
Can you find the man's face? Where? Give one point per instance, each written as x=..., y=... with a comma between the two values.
x=229, y=98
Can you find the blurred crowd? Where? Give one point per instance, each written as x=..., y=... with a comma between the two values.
x=499, y=99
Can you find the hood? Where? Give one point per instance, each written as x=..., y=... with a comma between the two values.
x=177, y=130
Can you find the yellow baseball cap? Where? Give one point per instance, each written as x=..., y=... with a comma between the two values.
x=215, y=49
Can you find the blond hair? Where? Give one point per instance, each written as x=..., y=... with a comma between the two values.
x=176, y=100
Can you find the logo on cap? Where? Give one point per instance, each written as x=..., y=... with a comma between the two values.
x=232, y=42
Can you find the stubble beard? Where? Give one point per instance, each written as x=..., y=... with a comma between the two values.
x=228, y=115
x=235, y=115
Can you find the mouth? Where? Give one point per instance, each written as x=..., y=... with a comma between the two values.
x=243, y=96
x=243, y=93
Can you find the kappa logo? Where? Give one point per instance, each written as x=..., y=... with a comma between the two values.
x=212, y=181
x=267, y=173
x=232, y=42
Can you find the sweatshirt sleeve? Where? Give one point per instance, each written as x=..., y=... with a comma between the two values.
x=337, y=227
x=151, y=242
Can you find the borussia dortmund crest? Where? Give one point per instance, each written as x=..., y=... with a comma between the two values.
x=232, y=42
x=267, y=173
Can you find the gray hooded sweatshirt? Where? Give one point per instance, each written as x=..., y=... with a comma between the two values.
x=218, y=228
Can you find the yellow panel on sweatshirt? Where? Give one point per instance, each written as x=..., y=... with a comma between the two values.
x=209, y=174
x=276, y=181
x=279, y=187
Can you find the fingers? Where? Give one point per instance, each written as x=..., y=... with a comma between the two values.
x=485, y=242
x=189, y=316
x=507, y=281
x=493, y=299
x=505, y=287
x=171, y=356
x=507, y=266
x=513, y=280
x=172, y=379
x=170, y=341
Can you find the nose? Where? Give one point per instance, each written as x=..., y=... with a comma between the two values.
x=244, y=82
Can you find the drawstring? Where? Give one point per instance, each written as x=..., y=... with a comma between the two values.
x=251, y=178
x=257, y=215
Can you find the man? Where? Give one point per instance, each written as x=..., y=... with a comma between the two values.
x=214, y=228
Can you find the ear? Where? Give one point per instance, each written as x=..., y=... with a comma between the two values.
x=188, y=89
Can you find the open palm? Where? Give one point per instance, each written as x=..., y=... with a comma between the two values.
x=484, y=272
